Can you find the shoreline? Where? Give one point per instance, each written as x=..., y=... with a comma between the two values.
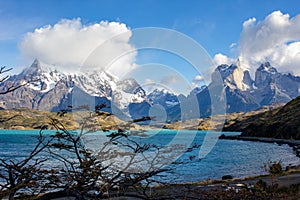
x=261, y=139
x=285, y=180
x=237, y=188
x=295, y=144
x=212, y=189
x=295, y=172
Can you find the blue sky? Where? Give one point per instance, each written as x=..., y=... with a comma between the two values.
x=215, y=24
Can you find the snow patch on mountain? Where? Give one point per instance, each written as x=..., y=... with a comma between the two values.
x=163, y=97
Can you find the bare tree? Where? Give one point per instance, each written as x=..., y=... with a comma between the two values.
x=84, y=170
x=78, y=170
x=25, y=174
x=9, y=88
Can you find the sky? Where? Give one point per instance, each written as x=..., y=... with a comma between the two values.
x=65, y=33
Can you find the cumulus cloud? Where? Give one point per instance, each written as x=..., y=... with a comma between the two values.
x=197, y=81
x=71, y=45
x=198, y=78
x=222, y=59
x=276, y=39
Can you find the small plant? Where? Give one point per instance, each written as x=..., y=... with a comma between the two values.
x=261, y=185
x=273, y=167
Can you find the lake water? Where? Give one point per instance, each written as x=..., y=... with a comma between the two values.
x=236, y=158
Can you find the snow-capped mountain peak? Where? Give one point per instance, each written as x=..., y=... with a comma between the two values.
x=40, y=78
x=160, y=91
x=43, y=78
x=128, y=91
x=226, y=70
x=163, y=97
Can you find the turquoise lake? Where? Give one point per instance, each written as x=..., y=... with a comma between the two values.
x=227, y=157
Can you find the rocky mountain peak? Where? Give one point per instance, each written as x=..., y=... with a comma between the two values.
x=35, y=65
x=266, y=67
x=160, y=91
x=34, y=69
x=129, y=85
x=197, y=90
x=226, y=70
x=264, y=75
x=128, y=91
x=233, y=76
x=163, y=97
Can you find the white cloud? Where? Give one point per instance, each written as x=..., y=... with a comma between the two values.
x=222, y=59
x=275, y=39
x=232, y=45
x=249, y=22
x=69, y=45
x=198, y=81
x=198, y=78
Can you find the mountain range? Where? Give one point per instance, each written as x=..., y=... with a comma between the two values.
x=51, y=90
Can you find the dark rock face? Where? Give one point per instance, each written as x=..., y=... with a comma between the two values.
x=247, y=79
x=139, y=110
x=238, y=101
x=263, y=75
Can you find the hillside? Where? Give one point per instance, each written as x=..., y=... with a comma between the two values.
x=25, y=118
x=280, y=123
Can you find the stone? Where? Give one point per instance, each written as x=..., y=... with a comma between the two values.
x=227, y=177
